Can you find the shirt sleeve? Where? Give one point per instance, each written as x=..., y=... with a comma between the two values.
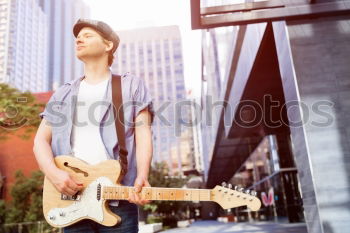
x=143, y=98
x=48, y=113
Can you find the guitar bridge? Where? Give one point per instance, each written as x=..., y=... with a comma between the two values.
x=75, y=197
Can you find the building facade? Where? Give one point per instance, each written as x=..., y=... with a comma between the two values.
x=155, y=54
x=281, y=128
x=23, y=45
x=37, y=44
x=15, y=148
x=63, y=65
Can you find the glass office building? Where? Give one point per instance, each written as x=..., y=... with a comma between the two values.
x=23, y=45
x=280, y=70
x=63, y=66
x=155, y=54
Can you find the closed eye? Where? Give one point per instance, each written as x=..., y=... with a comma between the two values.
x=86, y=35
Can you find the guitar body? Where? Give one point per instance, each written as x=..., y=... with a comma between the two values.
x=100, y=185
x=60, y=213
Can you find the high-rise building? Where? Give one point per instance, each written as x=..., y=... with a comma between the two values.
x=185, y=154
x=283, y=126
x=155, y=54
x=63, y=65
x=23, y=45
x=196, y=134
x=215, y=52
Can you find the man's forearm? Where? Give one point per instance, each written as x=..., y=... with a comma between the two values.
x=44, y=156
x=144, y=152
x=144, y=147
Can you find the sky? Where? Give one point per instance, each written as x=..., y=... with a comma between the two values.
x=130, y=14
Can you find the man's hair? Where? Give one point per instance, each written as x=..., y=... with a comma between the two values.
x=110, y=58
x=110, y=54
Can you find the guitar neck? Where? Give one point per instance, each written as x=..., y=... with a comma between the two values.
x=154, y=194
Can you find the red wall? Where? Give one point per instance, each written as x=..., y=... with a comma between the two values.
x=17, y=153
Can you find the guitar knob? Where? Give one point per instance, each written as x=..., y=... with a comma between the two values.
x=62, y=214
x=223, y=184
x=51, y=217
x=229, y=186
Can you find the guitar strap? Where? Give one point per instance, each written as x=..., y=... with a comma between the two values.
x=117, y=99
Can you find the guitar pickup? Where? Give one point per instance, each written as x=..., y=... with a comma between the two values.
x=75, y=197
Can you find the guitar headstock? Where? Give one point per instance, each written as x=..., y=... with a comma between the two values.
x=228, y=198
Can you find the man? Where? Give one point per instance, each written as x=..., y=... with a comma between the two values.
x=77, y=121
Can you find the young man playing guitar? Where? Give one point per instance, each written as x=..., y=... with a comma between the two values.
x=79, y=121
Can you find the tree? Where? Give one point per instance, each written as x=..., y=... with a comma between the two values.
x=2, y=212
x=18, y=110
x=159, y=177
x=26, y=204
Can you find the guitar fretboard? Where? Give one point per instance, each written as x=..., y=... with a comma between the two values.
x=161, y=194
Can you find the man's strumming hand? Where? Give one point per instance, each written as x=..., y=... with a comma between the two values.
x=64, y=183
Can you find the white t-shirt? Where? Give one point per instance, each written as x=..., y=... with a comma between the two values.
x=87, y=143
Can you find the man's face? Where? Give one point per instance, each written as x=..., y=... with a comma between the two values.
x=90, y=44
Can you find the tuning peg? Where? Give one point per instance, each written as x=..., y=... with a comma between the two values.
x=236, y=187
x=223, y=184
x=247, y=191
x=229, y=186
x=253, y=193
x=240, y=189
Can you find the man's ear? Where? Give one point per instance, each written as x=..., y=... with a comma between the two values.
x=109, y=46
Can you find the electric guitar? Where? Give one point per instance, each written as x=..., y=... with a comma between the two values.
x=99, y=187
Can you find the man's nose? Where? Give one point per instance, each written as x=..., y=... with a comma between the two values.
x=78, y=41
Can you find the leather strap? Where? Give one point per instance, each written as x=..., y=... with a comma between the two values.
x=117, y=99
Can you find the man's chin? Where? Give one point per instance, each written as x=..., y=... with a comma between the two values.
x=80, y=56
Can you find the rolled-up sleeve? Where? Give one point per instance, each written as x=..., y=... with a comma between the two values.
x=142, y=98
x=48, y=114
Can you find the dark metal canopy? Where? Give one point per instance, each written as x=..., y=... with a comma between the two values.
x=265, y=11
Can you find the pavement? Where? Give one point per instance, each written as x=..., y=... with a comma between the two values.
x=242, y=227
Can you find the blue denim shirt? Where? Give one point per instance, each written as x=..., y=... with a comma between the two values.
x=59, y=112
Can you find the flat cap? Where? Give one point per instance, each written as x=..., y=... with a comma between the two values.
x=104, y=29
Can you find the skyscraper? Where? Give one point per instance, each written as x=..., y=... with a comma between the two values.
x=155, y=55
x=282, y=63
x=23, y=45
x=63, y=65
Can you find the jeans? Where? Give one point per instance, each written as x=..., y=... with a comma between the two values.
x=128, y=213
